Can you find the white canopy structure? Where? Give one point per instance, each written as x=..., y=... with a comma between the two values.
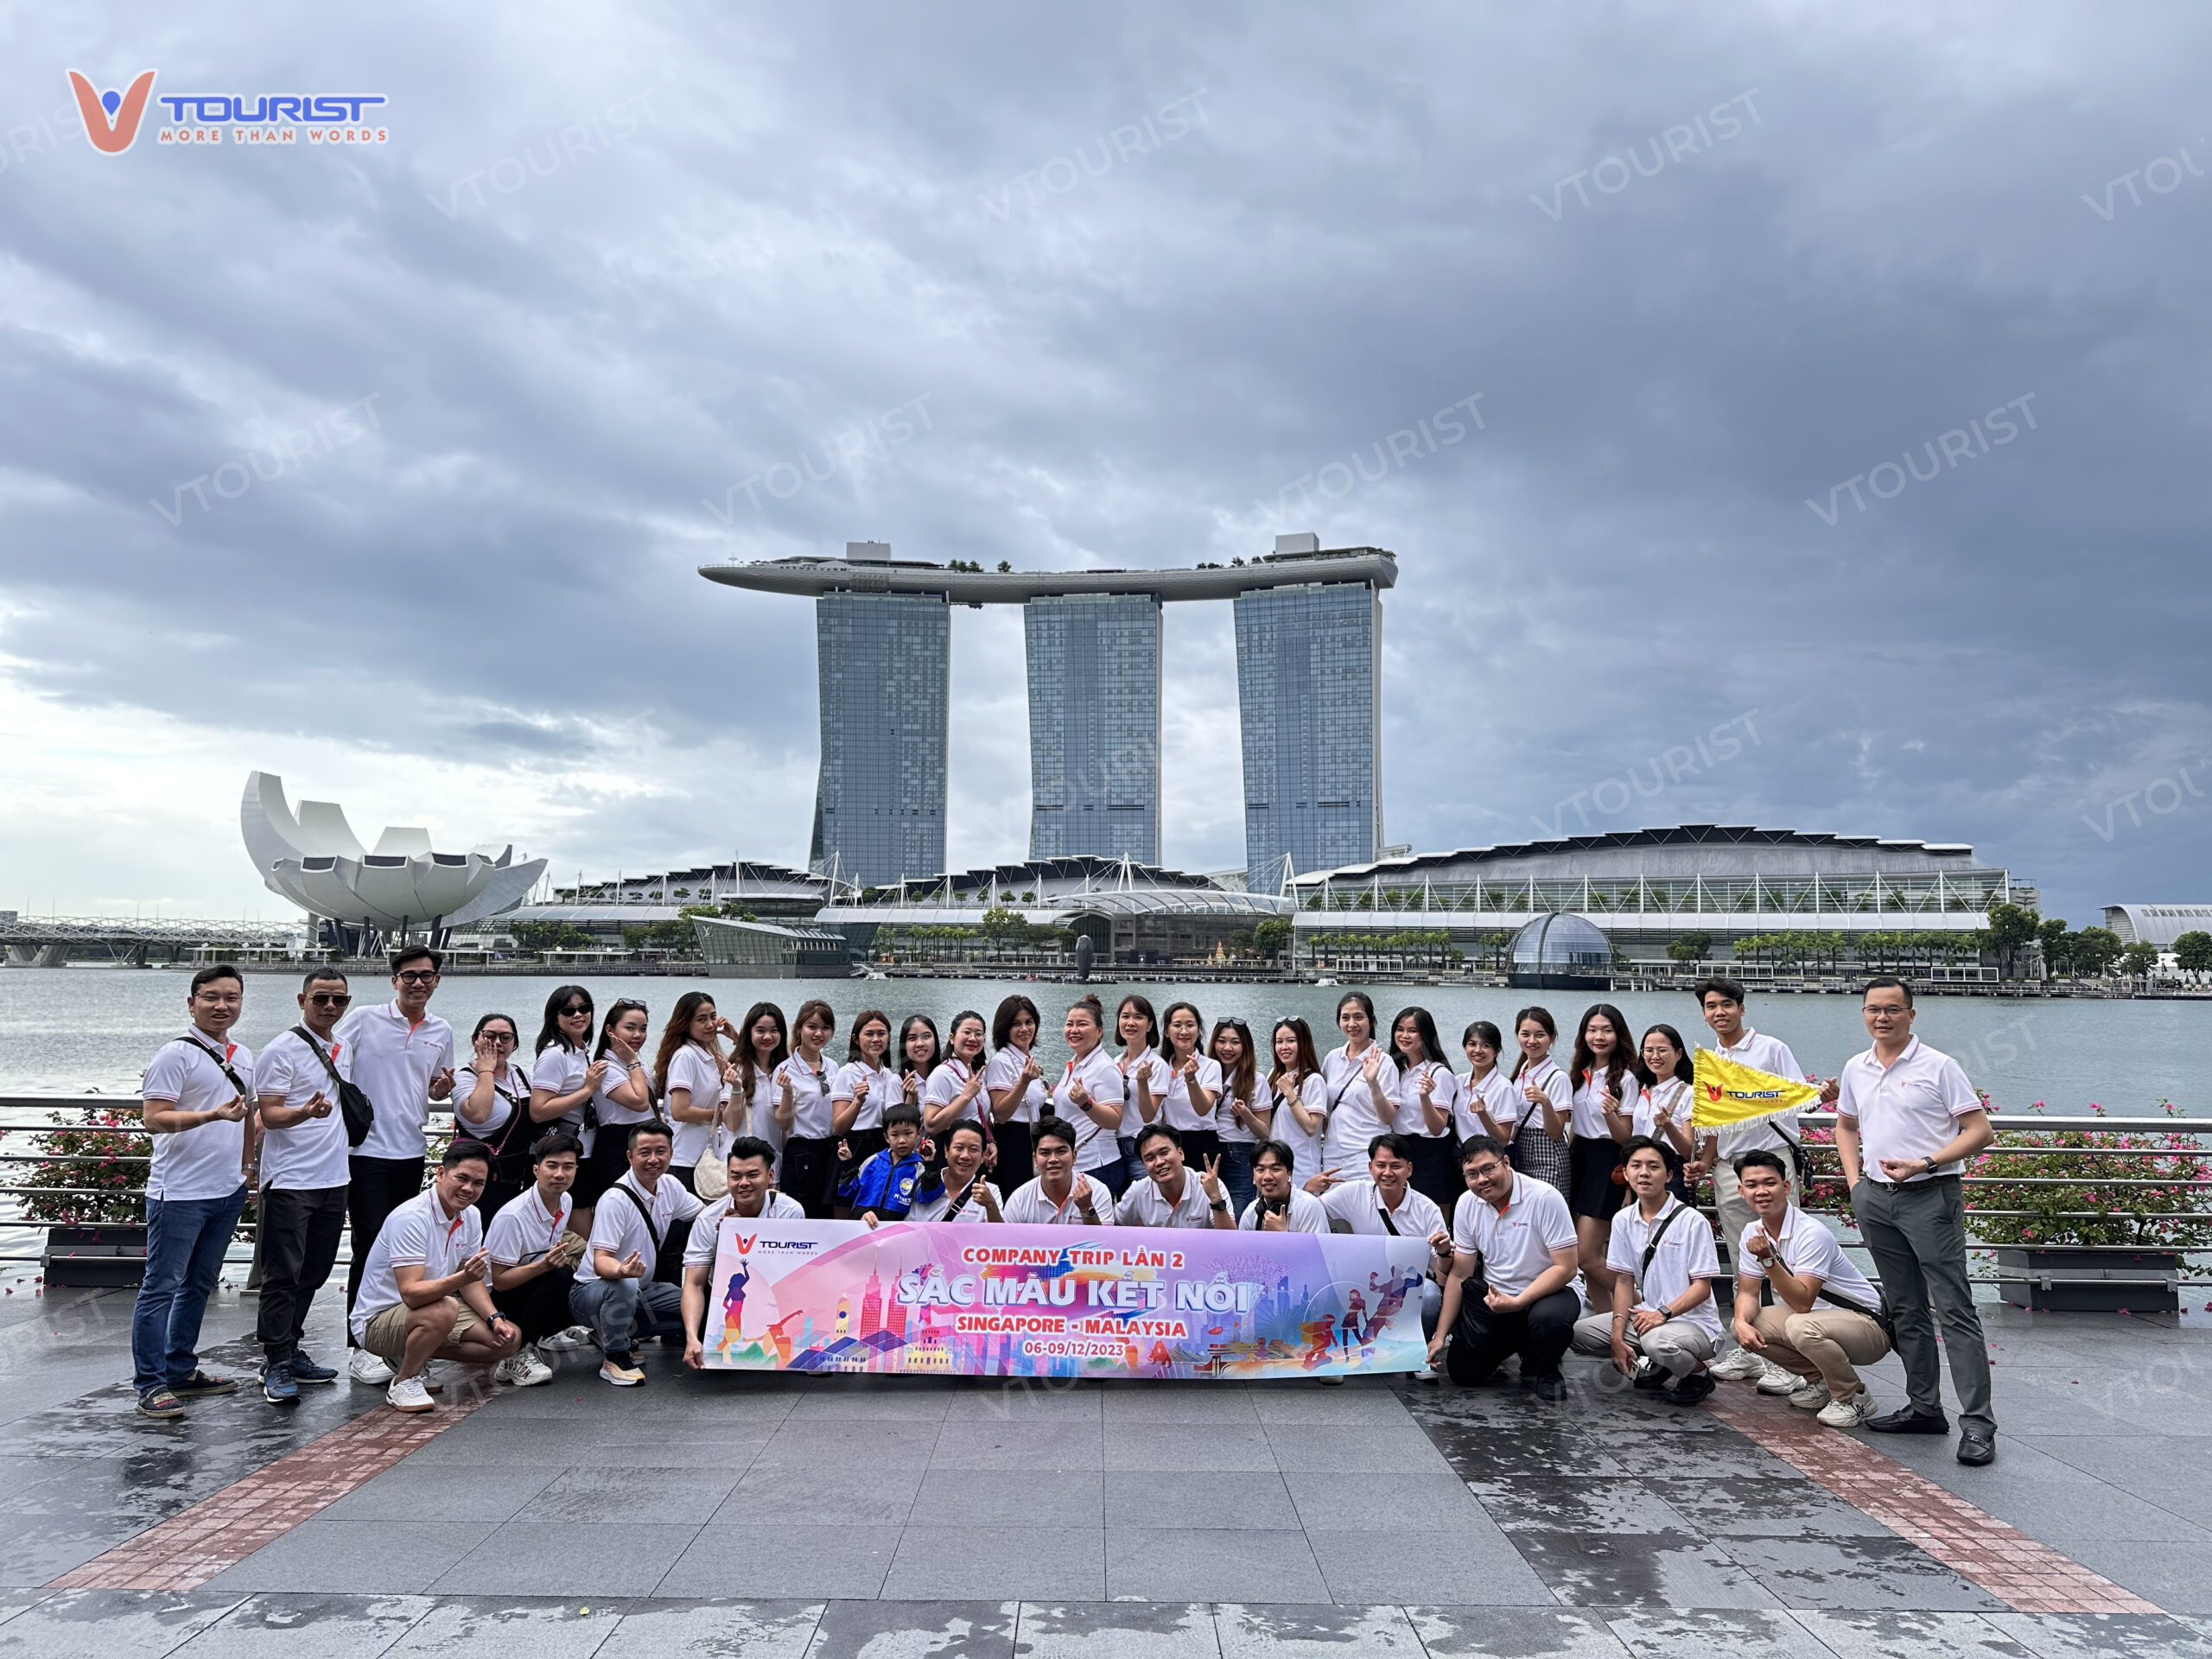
x=316, y=860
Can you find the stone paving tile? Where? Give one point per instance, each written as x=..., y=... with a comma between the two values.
x=2102, y=1635
x=1041, y=1563
x=2176, y=1578
x=1252, y=1500
x=1175, y=1564
x=1514, y=1633
x=1376, y=1449
x=1277, y=1633
x=1197, y=1447
x=1118, y=1630
x=328, y=1627
x=1857, y=1573
x=1376, y=1568
x=1777, y=1508
x=1339, y=1503
x=1662, y=1633
x=509, y=1627
x=773, y=1560
x=1578, y=1503
x=1040, y=1445
x=1665, y=1569
x=792, y=1492
x=15, y=1601
x=111, y=1624
x=1911, y=1636
x=567, y=1558
x=725, y=1629
x=623, y=1497
x=915, y=1630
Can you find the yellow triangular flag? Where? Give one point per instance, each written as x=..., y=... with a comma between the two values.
x=1728, y=1092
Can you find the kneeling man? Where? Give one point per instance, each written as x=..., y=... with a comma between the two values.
x=1663, y=1328
x=1518, y=1233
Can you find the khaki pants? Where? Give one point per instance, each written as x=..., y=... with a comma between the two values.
x=385, y=1335
x=1828, y=1342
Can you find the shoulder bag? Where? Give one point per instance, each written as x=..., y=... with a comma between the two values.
x=354, y=1103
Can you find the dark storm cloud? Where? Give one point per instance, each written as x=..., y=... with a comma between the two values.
x=1153, y=352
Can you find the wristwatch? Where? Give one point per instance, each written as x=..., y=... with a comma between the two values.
x=1219, y=1204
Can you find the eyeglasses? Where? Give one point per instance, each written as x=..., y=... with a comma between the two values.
x=417, y=977
x=329, y=999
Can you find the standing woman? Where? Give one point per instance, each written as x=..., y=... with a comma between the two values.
x=1193, y=1086
x=1608, y=1090
x=954, y=1093
x=1428, y=1098
x=920, y=1054
x=1144, y=1080
x=1088, y=1096
x=864, y=1085
x=1536, y=1135
x=804, y=1111
x=625, y=1096
x=1015, y=1084
x=1667, y=1060
x=1301, y=1097
x=491, y=1103
x=688, y=1077
x=1244, y=1110
x=763, y=1043
x=567, y=1077
x=1363, y=1087
x=1486, y=1094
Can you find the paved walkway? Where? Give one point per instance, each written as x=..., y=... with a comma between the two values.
x=894, y=1516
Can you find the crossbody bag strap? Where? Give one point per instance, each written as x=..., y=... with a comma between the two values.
x=1652, y=1246
x=644, y=1210
x=303, y=1033
x=223, y=1065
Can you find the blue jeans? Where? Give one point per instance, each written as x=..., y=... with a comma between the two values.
x=185, y=1242
x=625, y=1311
x=1236, y=1176
x=1132, y=1166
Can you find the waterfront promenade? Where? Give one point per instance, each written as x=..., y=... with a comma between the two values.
x=745, y=1516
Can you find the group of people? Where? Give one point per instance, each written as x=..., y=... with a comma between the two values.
x=578, y=1202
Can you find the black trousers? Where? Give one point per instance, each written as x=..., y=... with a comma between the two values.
x=809, y=1163
x=539, y=1308
x=298, y=1246
x=379, y=1186
x=1483, y=1340
x=1016, y=1168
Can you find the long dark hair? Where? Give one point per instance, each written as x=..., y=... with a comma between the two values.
x=550, y=1032
x=1309, y=1061
x=1685, y=1068
x=615, y=1010
x=747, y=1073
x=1236, y=1084
x=1143, y=1005
x=808, y=1010
x=1374, y=1031
x=1425, y=1028
x=1010, y=1009
x=959, y=1020
x=1623, y=1058
x=1542, y=1017
x=936, y=1044
x=676, y=1033
x=1167, y=1019
x=861, y=1022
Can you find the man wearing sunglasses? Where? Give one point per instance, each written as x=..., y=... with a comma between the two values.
x=303, y=1178
x=402, y=1060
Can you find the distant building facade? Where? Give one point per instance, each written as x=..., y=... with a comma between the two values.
x=1094, y=725
x=2158, y=925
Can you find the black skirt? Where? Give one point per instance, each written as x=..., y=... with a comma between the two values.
x=1592, y=1190
x=1436, y=1170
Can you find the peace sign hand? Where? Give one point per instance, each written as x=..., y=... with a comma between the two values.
x=1209, y=1178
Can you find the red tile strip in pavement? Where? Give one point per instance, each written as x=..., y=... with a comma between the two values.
x=219, y=1531
x=2024, y=1574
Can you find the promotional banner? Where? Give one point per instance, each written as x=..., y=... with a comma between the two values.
x=975, y=1300
x=1728, y=1092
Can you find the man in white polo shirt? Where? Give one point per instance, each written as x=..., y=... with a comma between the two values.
x=1061, y=1196
x=1167, y=1197
x=1387, y=1201
x=749, y=1198
x=1282, y=1206
x=195, y=1101
x=619, y=1291
x=1720, y=1000
x=1518, y=1232
x=403, y=1059
x=425, y=1288
x=1664, y=1327
x=296, y=1083
x=1824, y=1324
x=1906, y=1122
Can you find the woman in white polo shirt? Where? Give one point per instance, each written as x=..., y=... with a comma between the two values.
x=1428, y=1097
x=491, y=1103
x=804, y=1113
x=1014, y=1082
x=1245, y=1110
x=564, y=1077
x=1360, y=1086
x=1535, y=1136
x=1608, y=1090
x=1191, y=1104
x=1088, y=1093
x=954, y=1093
x=688, y=1077
x=1300, y=1093
x=763, y=1043
x=625, y=1096
x=1667, y=1102
x=862, y=1087
x=1144, y=1080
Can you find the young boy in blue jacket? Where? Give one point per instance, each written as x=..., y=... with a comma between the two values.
x=883, y=1188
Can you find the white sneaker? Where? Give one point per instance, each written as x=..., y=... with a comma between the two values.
x=1811, y=1394
x=1774, y=1380
x=525, y=1370
x=576, y=1335
x=1849, y=1413
x=432, y=1383
x=365, y=1367
x=408, y=1394
x=1741, y=1366
x=622, y=1376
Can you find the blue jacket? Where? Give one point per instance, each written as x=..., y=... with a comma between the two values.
x=883, y=1184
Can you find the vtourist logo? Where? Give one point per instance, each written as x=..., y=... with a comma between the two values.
x=111, y=117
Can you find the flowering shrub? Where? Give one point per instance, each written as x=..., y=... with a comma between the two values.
x=113, y=1188
x=2081, y=1206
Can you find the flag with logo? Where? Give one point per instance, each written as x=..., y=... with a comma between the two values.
x=1728, y=1092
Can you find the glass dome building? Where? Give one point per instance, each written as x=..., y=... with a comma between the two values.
x=1561, y=951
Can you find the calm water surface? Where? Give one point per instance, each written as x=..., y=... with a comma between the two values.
x=66, y=1030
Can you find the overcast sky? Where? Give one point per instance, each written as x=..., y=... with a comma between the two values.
x=1152, y=284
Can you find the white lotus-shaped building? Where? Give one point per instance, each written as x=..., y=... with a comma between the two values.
x=316, y=860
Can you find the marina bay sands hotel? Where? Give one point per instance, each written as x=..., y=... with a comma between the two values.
x=1309, y=658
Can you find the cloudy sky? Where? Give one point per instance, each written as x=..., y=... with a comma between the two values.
x=390, y=468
